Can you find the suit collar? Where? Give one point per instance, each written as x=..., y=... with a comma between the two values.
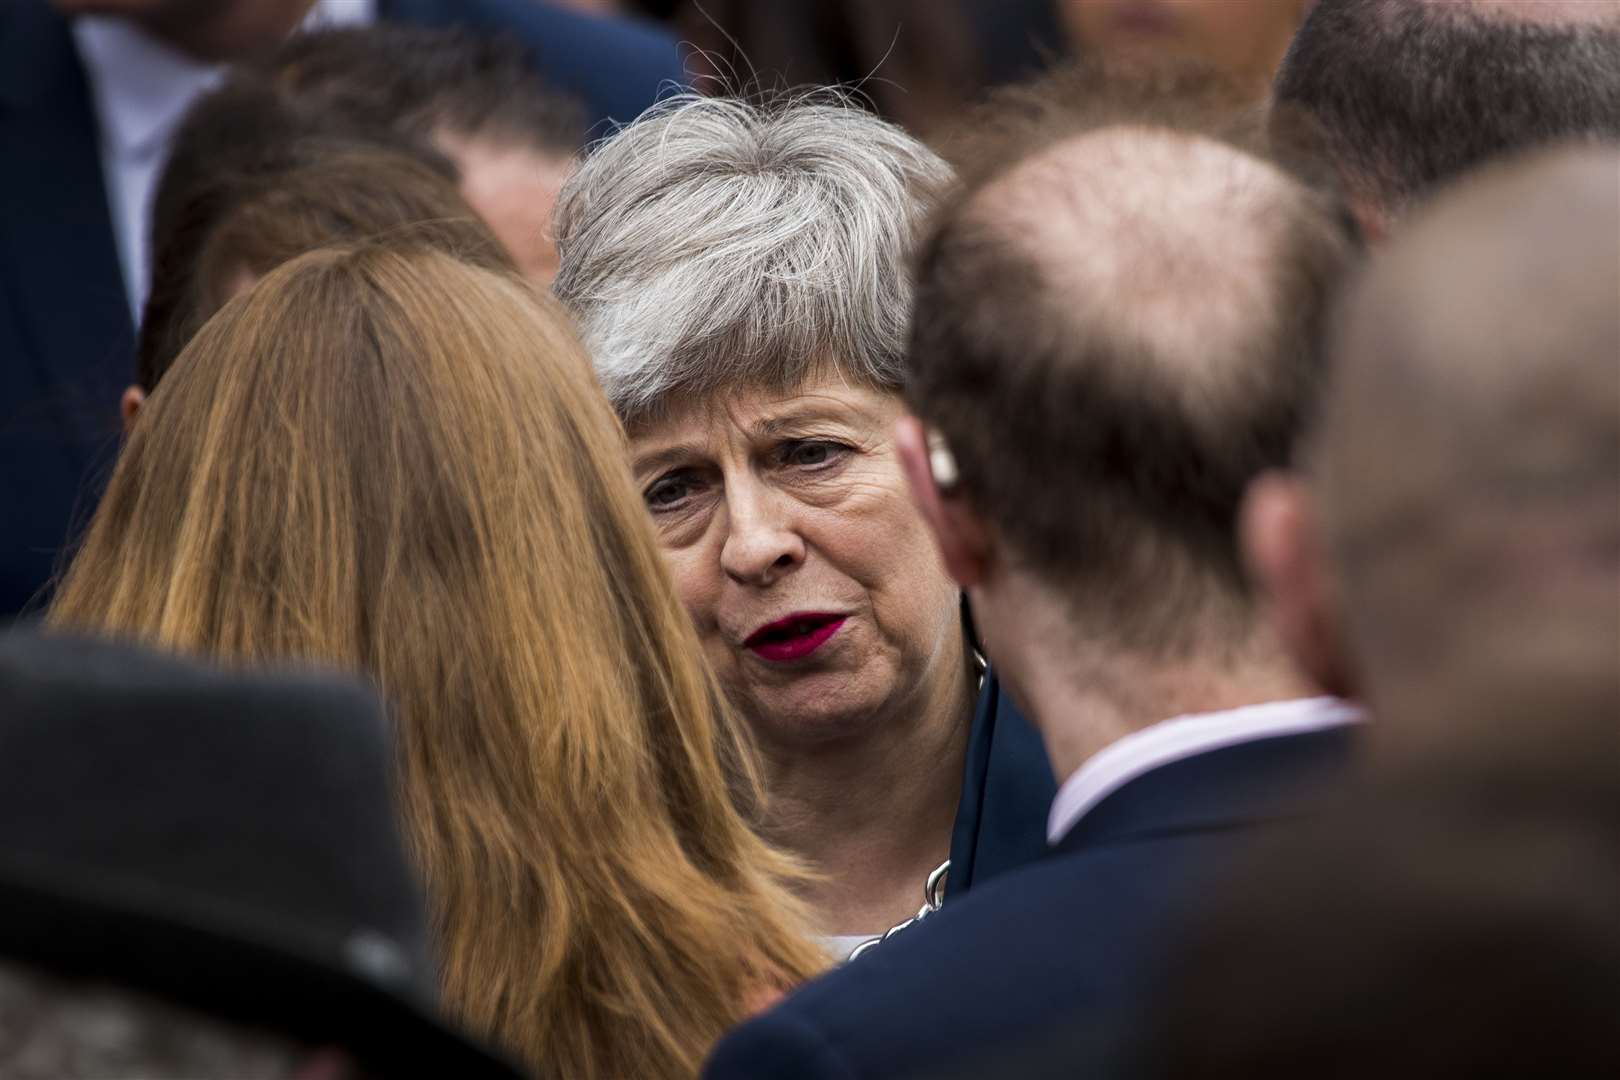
x=1266, y=779
x=1182, y=737
x=141, y=85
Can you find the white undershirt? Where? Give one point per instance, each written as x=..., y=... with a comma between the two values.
x=841, y=945
x=141, y=87
x=1168, y=741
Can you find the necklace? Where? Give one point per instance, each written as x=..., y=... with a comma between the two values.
x=934, y=887
x=933, y=897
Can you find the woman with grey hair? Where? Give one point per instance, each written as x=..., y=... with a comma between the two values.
x=739, y=271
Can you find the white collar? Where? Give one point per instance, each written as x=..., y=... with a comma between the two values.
x=1140, y=752
x=143, y=85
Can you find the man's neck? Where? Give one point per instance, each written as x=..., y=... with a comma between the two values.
x=1084, y=693
x=873, y=817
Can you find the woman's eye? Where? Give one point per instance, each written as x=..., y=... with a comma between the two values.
x=810, y=454
x=668, y=492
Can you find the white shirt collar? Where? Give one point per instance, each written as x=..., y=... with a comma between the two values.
x=1140, y=752
x=143, y=85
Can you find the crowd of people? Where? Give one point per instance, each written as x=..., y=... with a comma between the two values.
x=536, y=550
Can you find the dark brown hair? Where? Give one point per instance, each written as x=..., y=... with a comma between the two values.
x=423, y=81
x=1109, y=464
x=914, y=62
x=1415, y=94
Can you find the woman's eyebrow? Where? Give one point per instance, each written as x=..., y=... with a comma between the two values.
x=662, y=459
x=800, y=418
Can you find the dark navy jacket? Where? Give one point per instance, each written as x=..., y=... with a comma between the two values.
x=1007, y=788
x=66, y=343
x=1070, y=940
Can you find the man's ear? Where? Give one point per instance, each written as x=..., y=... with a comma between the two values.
x=130, y=405
x=963, y=539
x=1287, y=557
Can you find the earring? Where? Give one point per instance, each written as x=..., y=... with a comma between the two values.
x=942, y=463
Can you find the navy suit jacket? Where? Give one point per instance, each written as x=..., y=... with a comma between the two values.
x=66, y=340
x=1072, y=940
x=1007, y=788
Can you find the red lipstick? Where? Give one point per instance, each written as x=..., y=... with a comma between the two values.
x=794, y=637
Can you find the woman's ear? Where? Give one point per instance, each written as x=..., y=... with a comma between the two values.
x=130, y=405
x=1287, y=557
x=963, y=539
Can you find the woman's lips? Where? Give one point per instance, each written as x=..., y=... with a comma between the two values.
x=794, y=637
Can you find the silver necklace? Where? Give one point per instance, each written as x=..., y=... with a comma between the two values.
x=933, y=897
x=934, y=888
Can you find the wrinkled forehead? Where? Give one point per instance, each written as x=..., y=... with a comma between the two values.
x=760, y=412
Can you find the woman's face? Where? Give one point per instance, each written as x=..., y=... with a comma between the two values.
x=816, y=589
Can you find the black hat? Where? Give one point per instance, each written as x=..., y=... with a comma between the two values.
x=223, y=840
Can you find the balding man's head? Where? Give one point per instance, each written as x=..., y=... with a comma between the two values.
x=1465, y=473
x=1113, y=335
x=1414, y=93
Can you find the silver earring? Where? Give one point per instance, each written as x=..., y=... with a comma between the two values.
x=942, y=462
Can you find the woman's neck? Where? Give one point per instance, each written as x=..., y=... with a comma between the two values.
x=872, y=817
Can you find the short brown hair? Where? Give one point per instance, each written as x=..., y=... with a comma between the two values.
x=1111, y=454
x=252, y=181
x=423, y=81
x=1413, y=94
x=343, y=192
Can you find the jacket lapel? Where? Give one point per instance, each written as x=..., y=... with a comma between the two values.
x=1264, y=780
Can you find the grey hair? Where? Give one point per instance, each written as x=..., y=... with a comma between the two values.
x=722, y=242
x=60, y=1029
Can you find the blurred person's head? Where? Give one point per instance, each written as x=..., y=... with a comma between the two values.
x=739, y=273
x=1456, y=919
x=222, y=226
x=1117, y=325
x=208, y=29
x=916, y=62
x=387, y=460
x=475, y=97
x=1245, y=39
x=1411, y=94
x=204, y=876
x=1453, y=542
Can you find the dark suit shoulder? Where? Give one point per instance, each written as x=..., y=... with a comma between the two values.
x=1061, y=936
x=1077, y=934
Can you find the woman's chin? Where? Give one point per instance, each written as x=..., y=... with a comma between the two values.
x=815, y=710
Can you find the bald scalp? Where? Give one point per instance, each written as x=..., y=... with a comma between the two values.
x=1115, y=334
x=1177, y=273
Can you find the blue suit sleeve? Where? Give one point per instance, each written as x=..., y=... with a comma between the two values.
x=776, y=1046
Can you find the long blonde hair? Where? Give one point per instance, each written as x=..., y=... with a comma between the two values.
x=389, y=460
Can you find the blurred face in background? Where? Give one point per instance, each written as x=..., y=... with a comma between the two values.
x=1244, y=38
x=514, y=189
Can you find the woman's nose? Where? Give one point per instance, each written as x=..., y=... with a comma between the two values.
x=762, y=542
